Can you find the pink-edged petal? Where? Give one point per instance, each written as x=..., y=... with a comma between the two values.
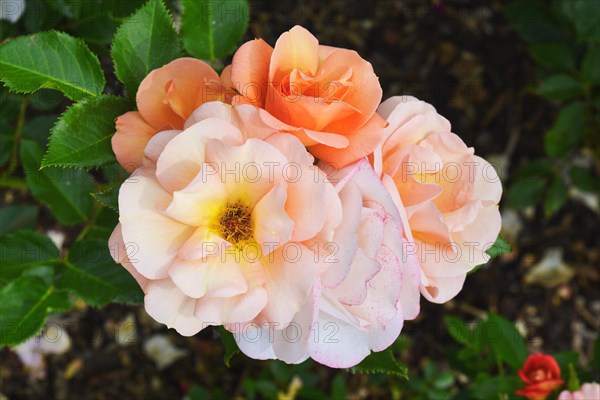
x=340, y=344
x=201, y=201
x=183, y=156
x=151, y=238
x=381, y=303
x=271, y=224
x=353, y=290
x=168, y=305
x=291, y=272
x=411, y=279
x=345, y=236
x=382, y=338
x=370, y=232
x=216, y=276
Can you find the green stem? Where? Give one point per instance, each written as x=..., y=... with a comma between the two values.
x=500, y=366
x=18, y=134
x=89, y=224
x=13, y=183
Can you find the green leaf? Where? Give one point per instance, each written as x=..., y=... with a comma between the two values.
x=23, y=250
x=525, y=193
x=458, y=330
x=25, y=304
x=68, y=8
x=560, y=87
x=39, y=16
x=38, y=128
x=499, y=248
x=81, y=136
x=212, y=29
x=109, y=197
x=506, y=341
x=584, y=180
x=381, y=362
x=566, y=130
x=553, y=55
x=198, y=393
x=52, y=60
x=533, y=20
x=92, y=275
x=573, y=382
x=338, y=387
x=14, y=217
x=585, y=15
x=492, y=387
x=66, y=191
x=145, y=41
x=590, y=66
x=46, y=99
x=229, y=344
x=556, y=196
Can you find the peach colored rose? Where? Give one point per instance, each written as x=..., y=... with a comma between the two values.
x=215, y=226
x=447, y=196
x=363, y=297
x=165, y=99
x=587, y=391
x=326, y=95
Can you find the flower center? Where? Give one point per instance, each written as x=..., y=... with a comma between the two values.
x=234, y=223
x=538, y=375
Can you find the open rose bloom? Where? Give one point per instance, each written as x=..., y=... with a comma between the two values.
x=541, y=376
x=276, y=200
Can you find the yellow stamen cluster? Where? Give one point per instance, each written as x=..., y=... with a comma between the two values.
x=234, y=223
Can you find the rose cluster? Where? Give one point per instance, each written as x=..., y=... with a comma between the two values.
x=283, y=201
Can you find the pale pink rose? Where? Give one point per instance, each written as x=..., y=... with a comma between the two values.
x=447, y=196
x=215, y=225
x=367, y=291
x=587, y=391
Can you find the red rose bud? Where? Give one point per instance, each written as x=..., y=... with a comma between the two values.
x=541, y=375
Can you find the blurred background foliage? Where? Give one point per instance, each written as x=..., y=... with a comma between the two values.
x=520, y=82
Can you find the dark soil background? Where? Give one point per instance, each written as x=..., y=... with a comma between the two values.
x=464, y=58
